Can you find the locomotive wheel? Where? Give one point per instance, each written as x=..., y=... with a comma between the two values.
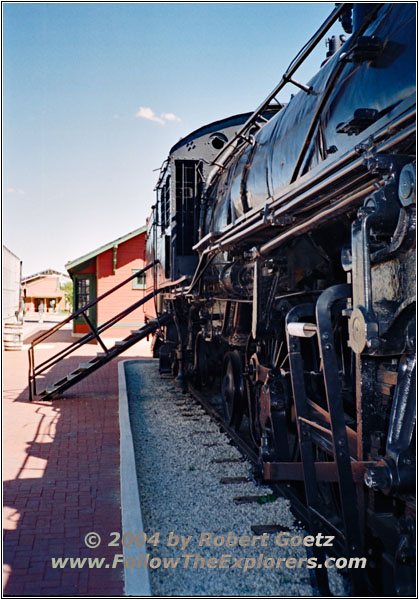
x=232, y=389
x=175, y=366
x=204, y=361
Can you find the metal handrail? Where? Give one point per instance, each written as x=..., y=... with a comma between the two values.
x=75, y=314
x=35, y=371
x=52, y=360
x=286, y=78
x=254, y=220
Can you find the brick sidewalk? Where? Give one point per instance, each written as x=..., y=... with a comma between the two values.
x=61, y=476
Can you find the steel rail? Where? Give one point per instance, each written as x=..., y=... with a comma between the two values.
x=244, y=448
x=284, y=489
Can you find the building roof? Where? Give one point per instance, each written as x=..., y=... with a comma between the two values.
x=44, y=273
x=10, y=252
x=82, y=259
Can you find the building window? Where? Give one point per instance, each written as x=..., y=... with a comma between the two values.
x=83, y=293
x=138, y=283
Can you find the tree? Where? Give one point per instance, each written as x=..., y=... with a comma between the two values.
x=68, y=294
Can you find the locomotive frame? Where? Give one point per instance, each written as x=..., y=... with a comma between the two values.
x=287, y=237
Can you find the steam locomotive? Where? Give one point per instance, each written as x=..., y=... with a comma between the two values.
x=284, y=243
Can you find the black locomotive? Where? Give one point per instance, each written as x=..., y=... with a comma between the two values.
x=285, y=244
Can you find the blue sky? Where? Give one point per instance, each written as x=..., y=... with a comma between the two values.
x=95, y=94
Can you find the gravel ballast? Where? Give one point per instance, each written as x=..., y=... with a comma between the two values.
x=176, y=444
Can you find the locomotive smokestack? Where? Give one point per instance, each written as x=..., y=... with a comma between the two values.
x=334, y=44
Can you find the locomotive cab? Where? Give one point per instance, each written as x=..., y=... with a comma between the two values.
x=176, y=223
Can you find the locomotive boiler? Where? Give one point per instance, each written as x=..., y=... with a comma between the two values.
x=284, y=243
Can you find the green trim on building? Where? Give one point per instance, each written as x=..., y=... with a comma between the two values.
x=78, y=261
x=92, y=295
x=138, y=283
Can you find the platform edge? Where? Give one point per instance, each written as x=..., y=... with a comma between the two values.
x=136, y=580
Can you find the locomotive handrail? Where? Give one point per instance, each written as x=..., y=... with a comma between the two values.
x=329, y=174
x=286, y=78
x=326, y=94
x=161, y=170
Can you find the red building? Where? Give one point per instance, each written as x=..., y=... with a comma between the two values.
x=44, y=288
x=99, y=271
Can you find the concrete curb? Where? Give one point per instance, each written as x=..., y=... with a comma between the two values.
x=136, y=580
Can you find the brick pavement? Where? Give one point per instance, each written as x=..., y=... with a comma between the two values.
x=61, y=475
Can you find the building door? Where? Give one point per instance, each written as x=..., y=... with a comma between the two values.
x=84, y=293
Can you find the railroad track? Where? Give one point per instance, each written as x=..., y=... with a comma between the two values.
x=193, y=478
x=286, y=490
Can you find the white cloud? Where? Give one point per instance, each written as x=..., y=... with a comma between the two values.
x=16, y=191
x=170, y=117
x=145, y=112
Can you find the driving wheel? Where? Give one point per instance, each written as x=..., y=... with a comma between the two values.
x=233, y=389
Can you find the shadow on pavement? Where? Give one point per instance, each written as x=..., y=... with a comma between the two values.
x=67, y=486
